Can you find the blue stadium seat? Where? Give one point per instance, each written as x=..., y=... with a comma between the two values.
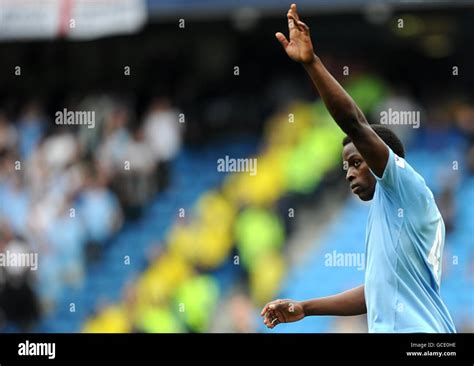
x=193, y=173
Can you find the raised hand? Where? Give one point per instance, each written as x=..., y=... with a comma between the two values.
x=299, y=48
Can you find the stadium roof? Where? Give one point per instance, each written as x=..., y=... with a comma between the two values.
x=204, y=8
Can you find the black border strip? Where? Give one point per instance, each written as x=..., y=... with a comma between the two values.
x=82, y=347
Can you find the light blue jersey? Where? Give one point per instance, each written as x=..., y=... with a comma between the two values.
x=404, y=246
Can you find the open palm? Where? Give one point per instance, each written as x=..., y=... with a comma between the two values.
x=299, y=48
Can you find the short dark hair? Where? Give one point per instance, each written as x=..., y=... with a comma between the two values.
x=388, y=136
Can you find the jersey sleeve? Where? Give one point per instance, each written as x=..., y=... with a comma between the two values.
x=402, y=183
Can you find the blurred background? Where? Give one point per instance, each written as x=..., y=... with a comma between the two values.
x=135, y=228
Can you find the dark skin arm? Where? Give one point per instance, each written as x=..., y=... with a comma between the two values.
x=340, y=105
x=352, y=121
x=351, y=302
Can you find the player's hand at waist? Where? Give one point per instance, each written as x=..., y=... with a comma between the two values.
x=299, y=48
x=282, y=311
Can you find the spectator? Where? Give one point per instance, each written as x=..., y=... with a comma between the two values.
x=8, y=134
x=18, y=301
x=16, y=204
x=67, y=236
x=115, y=137
x=31, y=128
x=100, y=212
x=60, y=149
x=163, y=131
x=136, y=180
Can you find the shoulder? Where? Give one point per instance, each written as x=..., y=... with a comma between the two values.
x=401, y=180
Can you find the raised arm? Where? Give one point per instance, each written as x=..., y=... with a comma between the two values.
x=351, y=302
x=340, y=105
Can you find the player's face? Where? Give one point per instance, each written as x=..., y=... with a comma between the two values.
x=360, y=179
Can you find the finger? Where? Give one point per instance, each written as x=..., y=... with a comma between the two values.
x=265, y=321
x=293, y=23
x=279, y=315
x=269, y=317
x=273, y=318
x=303, y=25
x=284, y=42
x=265, y=308
x=274, y=323
x=294, y=11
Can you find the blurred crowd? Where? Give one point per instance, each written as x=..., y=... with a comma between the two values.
x=247, y=221
x=65, y=191
x=244, y=224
